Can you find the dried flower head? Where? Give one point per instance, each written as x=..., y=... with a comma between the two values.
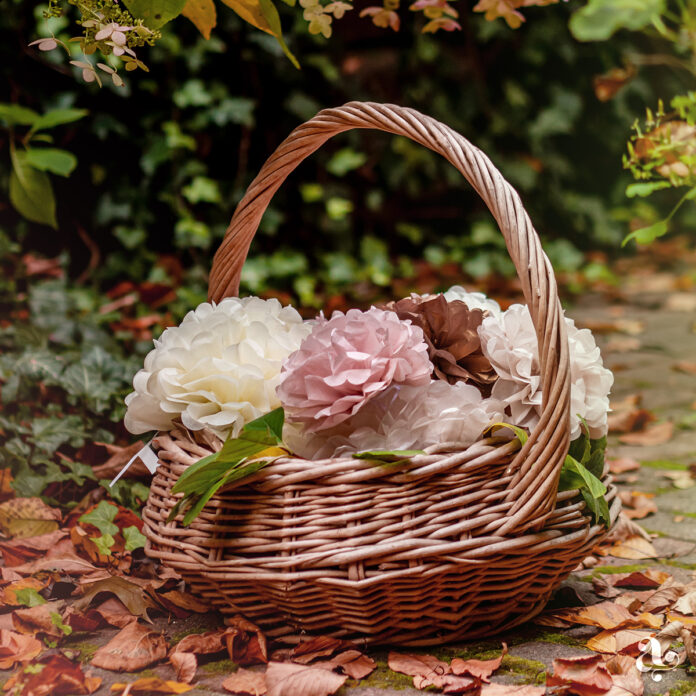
x=451, y=331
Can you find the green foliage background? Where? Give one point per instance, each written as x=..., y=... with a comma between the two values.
x=163, y=161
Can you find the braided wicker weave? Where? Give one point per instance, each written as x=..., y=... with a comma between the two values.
x=452, y=544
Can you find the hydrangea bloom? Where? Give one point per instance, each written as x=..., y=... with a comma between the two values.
x=346, y=361
x=218, y=369
x=510, y=343
x=403, y=417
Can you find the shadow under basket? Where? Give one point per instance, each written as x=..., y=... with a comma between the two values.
x=454, y=544
x=409, y=557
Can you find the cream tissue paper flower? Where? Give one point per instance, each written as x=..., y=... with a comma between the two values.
x=510, y=343
x=473, y=300
x=218, y=369
x=402, y=418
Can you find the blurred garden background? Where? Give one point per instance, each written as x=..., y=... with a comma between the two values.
x=115, y=197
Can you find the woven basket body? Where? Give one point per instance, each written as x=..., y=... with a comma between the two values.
x=451, y=544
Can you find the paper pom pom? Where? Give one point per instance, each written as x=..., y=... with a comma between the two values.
x=348, y=360
x=474, y=300
x=218, y=369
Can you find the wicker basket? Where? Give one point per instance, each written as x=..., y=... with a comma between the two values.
x=452, y=544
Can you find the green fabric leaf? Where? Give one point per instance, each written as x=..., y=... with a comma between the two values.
x=135, y=539
x=51, y=159
x=58, y=117
x=155, y=13
x=599, y=19
x=31, y=192
x=102, y=517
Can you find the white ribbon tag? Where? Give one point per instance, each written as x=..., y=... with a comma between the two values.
x=146, y=456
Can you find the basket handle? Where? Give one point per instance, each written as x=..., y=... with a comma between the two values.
x=532, y=494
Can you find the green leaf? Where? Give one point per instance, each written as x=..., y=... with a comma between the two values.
x=646, y=235
x=58, y=117
x=599, y=19
x=16, y=115
x=31, y=192
x=387, y=455
x=135, y=539
x=102, y=517
x=29, y=597
x=576, y=476
x=155, y=13
x=345, y=160
x=51, y=159
x=521, y=433
x=580, y=448
x=57, y=621
x=202, y=190
x=645, y=188
x=104, y=543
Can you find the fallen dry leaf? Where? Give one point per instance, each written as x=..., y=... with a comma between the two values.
x=245, y=642
x=133, y=648
x=623, y=464
x=680, y=479
x=246, y=682
x=69, y=563
x=637, y=505
x=512, y=690
x=609, y=616
x=27, y=517
x=202, y=643
x=55, y=676
x=654, y=435
x=289, y=679
x=427, y=670
x=16, y=647
x=132, y=595
x=634, y=548
x=481, y=669
x=623, y=641
x=35, y=620
x=685, y=366
x=665, y=596
x=185, y=666
x=18, y=551
x=184, y=600
x=147, y=686
x=351, y=662
x=630, y=421
x=580, y=675
x=632, y=327
x=686, y=604
x=316, y=647
x=651, y=577
x=9, y=593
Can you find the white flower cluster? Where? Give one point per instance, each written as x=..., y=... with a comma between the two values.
x=218, y=369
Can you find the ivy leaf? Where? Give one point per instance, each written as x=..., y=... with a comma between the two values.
x=51, y=159
x=29, y=597
x=135, y=539
x=57, y=117
x=202, y=13
x=104, y=543
x=31, y=192
x=155, y=13
x=102, y=517
x=599, y=19
x=57, y=621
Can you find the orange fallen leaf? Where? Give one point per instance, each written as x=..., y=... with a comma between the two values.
x=39, y=619
x=630, y=421
x=185, y=665
x=245, y=642
x=16, y=647
x=56, y=676
x=27, y=517
x=622, y=465
x=685, y=366
x=18, y=551
x=581, y=675
x=622, y=641
x=133, y=648
x=481, y=669
x=351, y=662
x=665, y=596
x=151, y=685
x=634, y=547
x=637, y=505
x=512, y=690
x=9, y=594
x=316, y=647
x=184, y=600
x=654, y=435
x=289, y=679
x=246, y=682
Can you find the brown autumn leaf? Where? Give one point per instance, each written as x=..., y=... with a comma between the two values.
x=602, y=586
x=427, y=670
x=246, y=682
x=57, y=676
x=665, y=596
x=481, y=669
x=685, y=366
x=9, y=593
x=114, y=612
x=580, y=675
x=607, y=85
x=672, y=548
x=686, y=604
x=289, y=679
x=148, y=686
x=608, y=615
x=132, y=595
x=654, y=435
x=688, y=636
x=16, y=647
x=630, y=421
x=621, y=465
x=649, y=578
x=185, y=666
x=69, y=563
x=18, y=551
x=316, y=647
x=623, y=641
x=512, y=690
x=245, y=642
x=351, y=662
x=637, y=505
x=633, y=548
x=27, y=517
x=184, y=600
x=35, y=620
x=632, y=327
x=202, y=643
x=628, y=681
x=133, y=648
x=119, y=457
